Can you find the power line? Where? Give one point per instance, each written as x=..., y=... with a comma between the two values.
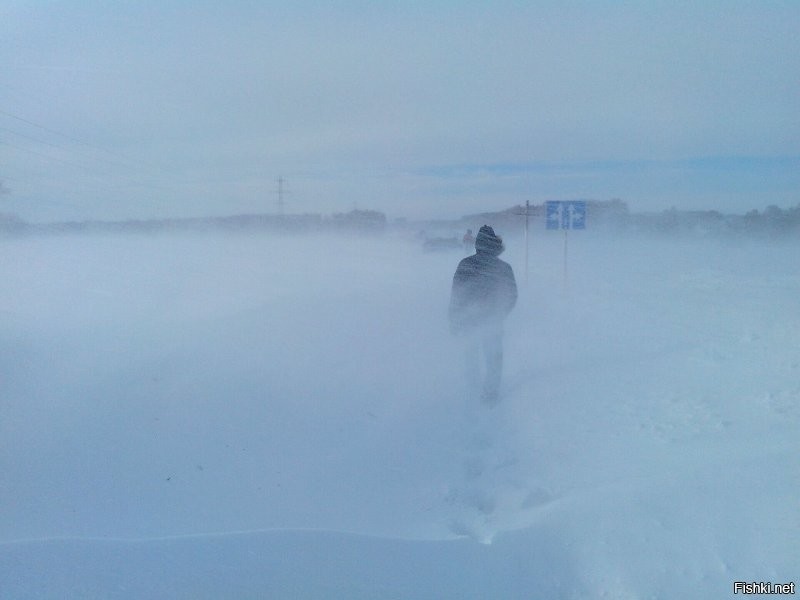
x=64, y=135
x=104, y=180
x=68, y=137
x=79, y=153
x=60, y=147
x=31, y=138
x=83, y=156
x=43, y=155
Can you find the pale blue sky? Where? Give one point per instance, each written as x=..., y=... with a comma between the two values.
x=148, y=109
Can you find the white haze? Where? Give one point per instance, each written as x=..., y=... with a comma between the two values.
x=211, y=415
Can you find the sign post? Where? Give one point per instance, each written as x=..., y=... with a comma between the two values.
x=565, y=215
x=527, y=213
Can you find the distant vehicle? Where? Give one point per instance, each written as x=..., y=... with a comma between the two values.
x=440, y=244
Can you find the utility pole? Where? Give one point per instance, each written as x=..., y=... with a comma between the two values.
x=527, y=214
x=281, y=192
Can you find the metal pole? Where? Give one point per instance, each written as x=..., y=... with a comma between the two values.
x=527, y=212
x=280, y=195
x=566, y=273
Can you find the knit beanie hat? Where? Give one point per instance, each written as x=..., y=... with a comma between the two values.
x=488, y=241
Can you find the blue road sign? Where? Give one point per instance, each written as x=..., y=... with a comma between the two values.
x=567, y=214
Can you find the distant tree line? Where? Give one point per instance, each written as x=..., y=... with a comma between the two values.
x=611, y=215
x=772, y=221
x=355, y=221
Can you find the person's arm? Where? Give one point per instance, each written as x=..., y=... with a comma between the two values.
x=457, y=299
x=511, y=288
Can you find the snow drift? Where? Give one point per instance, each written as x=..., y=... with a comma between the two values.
x=209, y=415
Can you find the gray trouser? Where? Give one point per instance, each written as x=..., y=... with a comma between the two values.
x=488, y=342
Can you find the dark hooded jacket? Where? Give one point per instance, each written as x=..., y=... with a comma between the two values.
x=484, y=289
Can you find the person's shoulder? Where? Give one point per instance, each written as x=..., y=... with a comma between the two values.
x=467, y=265
x=504, y=265
x=468, y=261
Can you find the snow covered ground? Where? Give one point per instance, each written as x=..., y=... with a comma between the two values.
x=233, y=416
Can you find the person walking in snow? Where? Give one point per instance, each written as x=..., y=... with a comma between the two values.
x=468, y=241
x=484, y=292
